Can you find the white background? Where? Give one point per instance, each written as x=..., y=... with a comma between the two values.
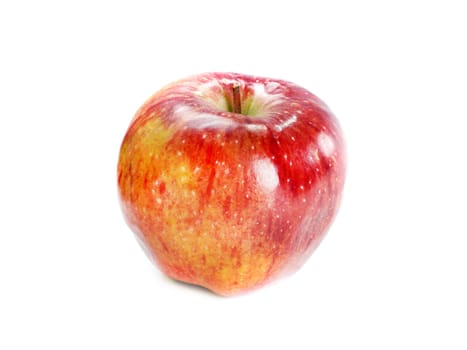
x=391, y=274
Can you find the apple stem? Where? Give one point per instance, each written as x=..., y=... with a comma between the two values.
x=237, y=104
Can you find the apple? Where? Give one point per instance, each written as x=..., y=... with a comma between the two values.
x=230, y=181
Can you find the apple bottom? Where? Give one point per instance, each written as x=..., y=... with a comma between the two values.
x=228, y=251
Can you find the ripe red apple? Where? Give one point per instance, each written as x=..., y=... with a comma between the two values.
x=230, y=181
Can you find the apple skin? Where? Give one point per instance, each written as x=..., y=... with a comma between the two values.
x=231, y=201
